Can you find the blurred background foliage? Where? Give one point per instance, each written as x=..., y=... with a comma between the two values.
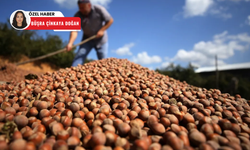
x=14, y=44
x=226, y=82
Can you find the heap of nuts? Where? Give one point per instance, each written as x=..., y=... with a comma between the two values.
x=116, y=104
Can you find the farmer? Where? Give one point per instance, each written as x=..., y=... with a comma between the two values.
x=95, y=20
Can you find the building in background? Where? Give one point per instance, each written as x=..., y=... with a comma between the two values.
x=237, y=72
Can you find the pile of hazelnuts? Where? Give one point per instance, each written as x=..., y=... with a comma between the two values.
x=117, y=104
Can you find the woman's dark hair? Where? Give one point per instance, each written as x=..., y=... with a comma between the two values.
x=24, y=23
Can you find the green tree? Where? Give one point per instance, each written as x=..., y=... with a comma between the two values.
x=14, y=43
x=182, y=74
x=207, y=81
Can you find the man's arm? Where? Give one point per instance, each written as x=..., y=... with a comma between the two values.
x=105, y=27
x=106, y=17
x=72, y=38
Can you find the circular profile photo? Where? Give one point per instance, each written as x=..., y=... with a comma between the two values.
x=19, y=20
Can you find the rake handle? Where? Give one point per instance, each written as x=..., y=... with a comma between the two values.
x=56, y=52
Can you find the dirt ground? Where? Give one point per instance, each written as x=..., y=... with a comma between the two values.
x=10, y=72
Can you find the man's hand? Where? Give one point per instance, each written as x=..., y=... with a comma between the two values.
x=99, y=34
x=69, y=47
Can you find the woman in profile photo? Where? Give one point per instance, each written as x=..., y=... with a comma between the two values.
x=19, y=20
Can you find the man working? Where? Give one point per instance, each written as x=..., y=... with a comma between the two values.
x=95, y=20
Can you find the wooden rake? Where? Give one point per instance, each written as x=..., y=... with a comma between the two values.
x=56, y=52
